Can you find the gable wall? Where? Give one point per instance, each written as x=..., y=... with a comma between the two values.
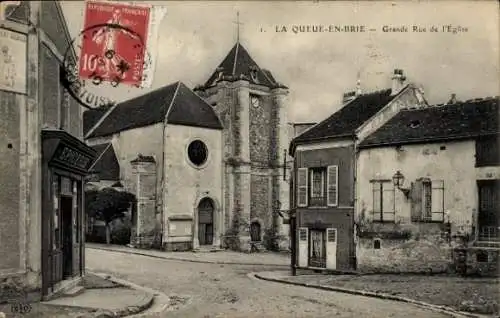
x=405, y=100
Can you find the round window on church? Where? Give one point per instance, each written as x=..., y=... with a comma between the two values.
x=197, y=152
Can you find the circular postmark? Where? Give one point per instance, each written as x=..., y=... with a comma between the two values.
x=95, y=62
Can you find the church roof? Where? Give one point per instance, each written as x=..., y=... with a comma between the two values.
x=461, y=120
x=106, y=165
x=183, y=106
x=346, y=120
x=238, y=64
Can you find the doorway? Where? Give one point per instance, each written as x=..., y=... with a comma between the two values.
x=489, y=213
x=205, y=222
x=67, y=236
x=317, y=248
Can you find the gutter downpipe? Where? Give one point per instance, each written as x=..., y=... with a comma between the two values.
x=355, y=200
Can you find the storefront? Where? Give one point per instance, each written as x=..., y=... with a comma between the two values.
x=66, y=161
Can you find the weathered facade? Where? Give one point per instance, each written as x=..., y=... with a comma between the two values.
x=325, y=174
x=45, y=161
x=169, y=156
x=253, y=108
x=449, y=159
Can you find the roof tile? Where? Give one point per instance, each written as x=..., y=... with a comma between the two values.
x=453, y=121
x=188, y=109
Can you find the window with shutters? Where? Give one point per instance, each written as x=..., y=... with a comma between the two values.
x=383, y=209
x=332, y=185
x=317, y=187
x=428, y=201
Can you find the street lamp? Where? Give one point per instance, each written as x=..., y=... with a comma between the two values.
x=398, y=180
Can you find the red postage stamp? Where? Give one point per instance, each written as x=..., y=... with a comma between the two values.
x=113, y=47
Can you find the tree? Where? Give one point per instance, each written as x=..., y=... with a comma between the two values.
x=107, y=205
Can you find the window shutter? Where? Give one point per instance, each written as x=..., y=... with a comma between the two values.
x=416, y=202
x=303, y=246
x=332, y=194
x=331, y=248
x=437, y=200
x=302, y=187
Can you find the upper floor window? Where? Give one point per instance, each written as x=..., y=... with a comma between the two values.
x=428, y=201
x=383, y=201
x=487, y=152
x=317, y=186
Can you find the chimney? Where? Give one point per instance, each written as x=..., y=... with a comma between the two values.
x=398, y=81
x=453, y=99
x=348, y=97
x=358, y=87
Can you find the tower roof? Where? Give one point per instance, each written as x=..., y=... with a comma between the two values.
x=238, y=65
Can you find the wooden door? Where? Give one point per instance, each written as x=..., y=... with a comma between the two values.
x=67, y=235
x=205, y=222
x=489, y=211
x=55, y=253
x=317, y=249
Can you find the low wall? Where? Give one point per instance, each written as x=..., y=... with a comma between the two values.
x=403, y=248
x=403, y=256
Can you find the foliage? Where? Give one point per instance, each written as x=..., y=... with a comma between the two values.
x=120, y=235
x=271, y=239
x=107, y=204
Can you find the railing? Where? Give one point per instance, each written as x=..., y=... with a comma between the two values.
x=489, y=234
x=317, y=201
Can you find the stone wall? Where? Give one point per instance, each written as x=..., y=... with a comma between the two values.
x=260, y=205
x=422, y=255
x=9, y=174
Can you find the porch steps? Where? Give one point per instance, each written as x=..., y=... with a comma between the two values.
x=75, y=291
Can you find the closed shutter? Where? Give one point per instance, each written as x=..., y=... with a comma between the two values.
x=333, y=183
x=437, y=204
x=331, y=248
x=302, y=187
x=416, y=201
x=303, y=246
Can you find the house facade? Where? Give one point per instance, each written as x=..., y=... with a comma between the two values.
x=325, y=172
x=424, y=177
x=45, y=160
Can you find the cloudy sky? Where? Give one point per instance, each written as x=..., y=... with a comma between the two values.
x=195, y=36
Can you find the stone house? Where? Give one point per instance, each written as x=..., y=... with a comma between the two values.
x=165, y=147
x=424, y=175
x=324, y=173
x=44, y=161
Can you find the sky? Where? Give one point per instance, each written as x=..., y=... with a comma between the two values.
x=318, y=68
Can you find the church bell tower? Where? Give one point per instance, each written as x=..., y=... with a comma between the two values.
x=253, y=108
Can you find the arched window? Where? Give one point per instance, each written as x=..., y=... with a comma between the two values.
x=255, y=233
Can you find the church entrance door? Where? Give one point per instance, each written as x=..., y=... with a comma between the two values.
x=205, y=221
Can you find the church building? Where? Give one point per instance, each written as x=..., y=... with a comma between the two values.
x=207, y=166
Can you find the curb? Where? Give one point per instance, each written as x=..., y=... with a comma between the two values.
x=158, y=298
x=184, y=259
x=443, y=309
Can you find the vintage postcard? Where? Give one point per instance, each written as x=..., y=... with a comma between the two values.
x=249, y=159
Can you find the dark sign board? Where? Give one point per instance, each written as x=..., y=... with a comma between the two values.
x=72, y=157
